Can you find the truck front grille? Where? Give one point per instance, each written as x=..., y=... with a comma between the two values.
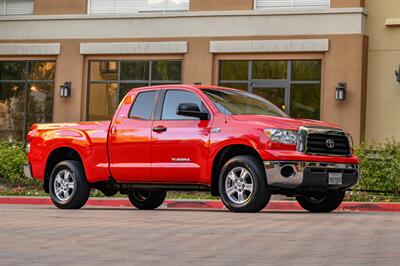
x=324, y=141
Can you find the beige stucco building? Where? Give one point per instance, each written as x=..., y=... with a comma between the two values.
x=291, y=52
x=383, y=108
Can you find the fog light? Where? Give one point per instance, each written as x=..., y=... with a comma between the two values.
x=287, y=171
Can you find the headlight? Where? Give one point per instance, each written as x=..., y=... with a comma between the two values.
x=281, y=135
x=28, y=147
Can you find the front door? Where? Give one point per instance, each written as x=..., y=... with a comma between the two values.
x=129, y=141
x=179, y=144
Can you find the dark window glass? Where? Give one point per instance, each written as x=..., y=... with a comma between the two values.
x=103, y=101
x=23, y=101
x=274, y=95
x=173, y=98
x=110, y=81
x=12, y=70
x=124, y=88
x=166, y=70
x=12, y=109
x=306, y=70
x=239, y=86
x=103, y=70
x=305, y=101
x=143, y=106
x=135, y=70
x=234, y=70
x=269, y=69
x=40, y=104
x=42, y=70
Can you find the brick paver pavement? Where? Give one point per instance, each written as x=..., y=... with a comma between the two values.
x=43, y=235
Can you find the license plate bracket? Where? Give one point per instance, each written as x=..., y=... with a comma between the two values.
x=335, y=178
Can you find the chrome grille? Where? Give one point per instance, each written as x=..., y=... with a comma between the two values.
x=324, y=141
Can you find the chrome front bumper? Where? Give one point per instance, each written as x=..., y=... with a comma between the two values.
x=28, y=171
x=291, y=175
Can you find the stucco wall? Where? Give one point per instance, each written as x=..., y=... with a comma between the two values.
x=57, y=7
x=383, y=108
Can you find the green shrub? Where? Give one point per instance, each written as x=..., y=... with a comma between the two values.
x=12, y=159
x=380, y=166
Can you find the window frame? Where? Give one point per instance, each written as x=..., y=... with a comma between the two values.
x=26, y=81
x=119, y=81
x=290, y=8
x=274, y=83
x=160, y=106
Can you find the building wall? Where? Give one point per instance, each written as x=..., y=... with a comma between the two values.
x=344, y=61
x=58, y=7
x=347, y=3
x=52, y=7
x=212, y=5
x=383, y=95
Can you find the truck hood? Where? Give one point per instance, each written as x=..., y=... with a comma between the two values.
x=282, y=122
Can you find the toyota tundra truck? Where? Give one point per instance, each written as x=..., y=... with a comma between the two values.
x=232, y=143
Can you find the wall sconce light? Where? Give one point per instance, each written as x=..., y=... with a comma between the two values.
x=341, y=91
x=65, y=89
x=398, y=75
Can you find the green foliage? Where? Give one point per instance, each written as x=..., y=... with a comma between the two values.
x=380, y=167
x=12, y=159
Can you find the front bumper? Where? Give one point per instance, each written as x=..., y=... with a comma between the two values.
x=28, y=171
x=299, y=174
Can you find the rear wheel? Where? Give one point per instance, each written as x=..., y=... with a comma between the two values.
x=325, y=202
x=243, y=186
x=146, y=200
x=68, y=186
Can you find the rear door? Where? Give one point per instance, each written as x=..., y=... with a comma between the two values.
x=129, y=140
x=180, y=144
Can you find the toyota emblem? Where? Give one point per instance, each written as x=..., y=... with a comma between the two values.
x=330, y=143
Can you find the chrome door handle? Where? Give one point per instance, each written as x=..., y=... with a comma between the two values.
x=159, y=129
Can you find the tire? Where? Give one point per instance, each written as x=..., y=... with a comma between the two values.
x=68, y=186
x=245, y=176
x=328, y=202
x=146, y=200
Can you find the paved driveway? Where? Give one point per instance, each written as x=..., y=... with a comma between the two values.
x=43, y=235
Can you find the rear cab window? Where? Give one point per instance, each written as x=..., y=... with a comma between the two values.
x=142, y=108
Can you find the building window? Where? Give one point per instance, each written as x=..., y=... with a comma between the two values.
x=16, y=7
x=26, y=96
x=136, y=6
x=110, y=81
x=267, y=4
x=293, y=86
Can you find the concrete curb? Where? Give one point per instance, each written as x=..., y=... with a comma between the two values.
x=208, y=204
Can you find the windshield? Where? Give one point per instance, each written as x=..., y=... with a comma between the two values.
x=234, y=102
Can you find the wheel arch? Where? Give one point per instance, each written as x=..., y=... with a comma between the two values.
x=57, y=155
x=225, y=154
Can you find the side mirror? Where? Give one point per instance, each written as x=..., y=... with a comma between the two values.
x=191, y=109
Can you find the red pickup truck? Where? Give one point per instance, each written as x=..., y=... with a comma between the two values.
x=194, y=138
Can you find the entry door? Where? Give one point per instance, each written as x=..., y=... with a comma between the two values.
x=275, y=92
x=179, y=143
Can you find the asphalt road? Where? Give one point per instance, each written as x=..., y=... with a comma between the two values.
x=43, y=235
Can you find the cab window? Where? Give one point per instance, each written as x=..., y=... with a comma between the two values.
x=173, y=98
x=143, y=106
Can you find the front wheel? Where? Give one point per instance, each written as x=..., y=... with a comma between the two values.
x=243, y=186
x=69, y=188
x=146, y=200
x=327, y=202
